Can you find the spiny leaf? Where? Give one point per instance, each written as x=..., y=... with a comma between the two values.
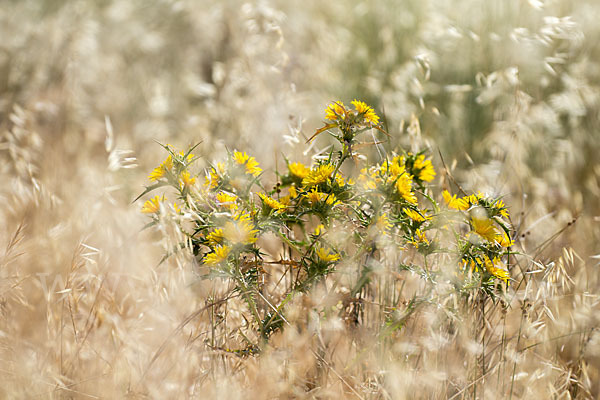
x=321, y=130
x=149, y=189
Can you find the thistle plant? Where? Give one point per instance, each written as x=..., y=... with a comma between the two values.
x=341, y=219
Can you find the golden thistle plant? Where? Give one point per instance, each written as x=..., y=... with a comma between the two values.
x=339, y=214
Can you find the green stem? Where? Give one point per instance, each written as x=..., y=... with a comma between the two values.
x=247, y=294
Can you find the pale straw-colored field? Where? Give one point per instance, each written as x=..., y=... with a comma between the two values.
x=504, y=97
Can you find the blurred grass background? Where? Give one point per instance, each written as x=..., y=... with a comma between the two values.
x=507, y=92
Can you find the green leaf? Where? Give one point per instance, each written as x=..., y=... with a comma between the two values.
x=149, y=189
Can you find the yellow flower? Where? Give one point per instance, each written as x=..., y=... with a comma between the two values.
x=227, y=200
x=211, y=180
x=293, y=192
x=242, y=216
x=500, y=273
x=320, y=229
x=215, y=237
x=252, y=167
x=240, y=157
x=383, y=223
x=339, y=179
x=454, y=203
x=315, y=197
x=251, y=164
x=157, y=173
x=241, y=230
x=368, y=183
x=415, y=216
x=189, y=157
x=318, y=175
x=426, y=170
x=366, y=111
x=469, y=263
x=176, y=208
x=331, y=200
x=185, y=180
x=271, y=203
x=503, y=240
x=499, y=205
x=299, y=170
x=326, y=256
x=419, y=238
x=404, y=188
x=484, y=227
x=395, y=168
x=473, y=200
x=335, y=110
x=161, y=170
x=285, y=200
x=219, y=255
x=153, y=205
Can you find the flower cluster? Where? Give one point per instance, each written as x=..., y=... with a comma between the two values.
x=362, y=113
x=322, y=218
x=171, y=172
x=487, y=241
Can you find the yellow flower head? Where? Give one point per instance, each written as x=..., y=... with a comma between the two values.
x=503, y=240
x=491, y=267
x=419, y=238
x=227, y=200
x=187, y=159
x=499, y=205
x=426, y=170
x=383, y=223
x=153, y=205
x=473, y=200
x=318, y=175
x=252, y=166
x=211, y=180
x=219, y=255
x=215, y=237
x=454, y=203
x=293, y=192
x=186, y=180
x=320, y=229
x=315, y=197
x=298, y=169
x=395, y=168
x=240, y=157
x=367, y=181
x=161, y=170
x=326, y=256
x=271, y=203
x=484, y=227
x=241, y=230
x=469, y=263
x=157, y=173
x=335, y=110
x=404, y=188
x=366, y=111
x=415, y=216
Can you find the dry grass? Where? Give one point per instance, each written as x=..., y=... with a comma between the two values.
x=87, y=311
